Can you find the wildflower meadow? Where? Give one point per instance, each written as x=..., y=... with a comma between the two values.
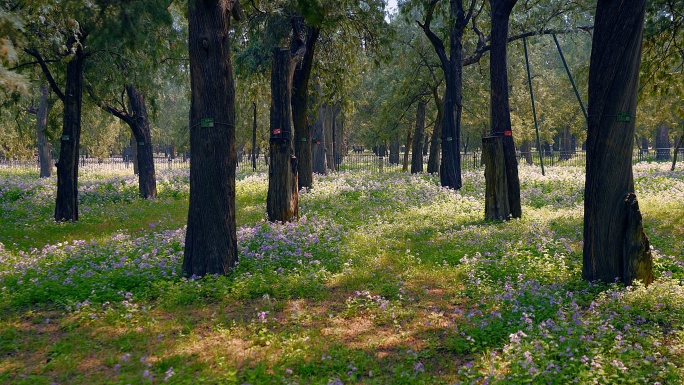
x=386, y=278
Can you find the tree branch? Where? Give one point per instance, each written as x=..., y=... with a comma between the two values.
x=437, y=43
x=121, y=114
x=46, y=71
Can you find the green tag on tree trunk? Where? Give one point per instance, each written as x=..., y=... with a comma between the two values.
x=623, y=117
x=65, y=137
x=141, y=143
x=449, y=139
x=303, y=139
x=207, y=123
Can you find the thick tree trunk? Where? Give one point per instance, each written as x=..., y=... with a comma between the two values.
x=211, y=240
x=615, y=245
x=496, y=194
x=300, y=110
x=147, y=179
x=338, y=137
x=44, y=150
x=417, y=154
x=663, y=142
x=644, y=144
x=318, y=143
x=66, y=207
x=426, y=143
x=500, y=108
x=436, y=141
x=282, y=201
x=134, y=154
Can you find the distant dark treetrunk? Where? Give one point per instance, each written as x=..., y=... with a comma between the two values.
x=394, y=150
x=615, y=245
x=300, y=100
x=644, y=144
x=435, y=142
x=147, y=179
x=44, y=149
x=134, y=154
x=496, y=194
x=526, y=151
x=282, y=201
x=566, y=144
x=254, y=138
x=500, y=108
x=328, y=136
x=66, y=207
x=417, y=155
x=318, y=143
x=546, y=149
x=407, y=146
x=426, y=143
x=211, y=240
x=452, y=66
x=663, y=142
x=679, y=145
x=338, y=137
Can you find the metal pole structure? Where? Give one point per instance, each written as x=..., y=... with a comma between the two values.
x=572, y=81
x=534, y=110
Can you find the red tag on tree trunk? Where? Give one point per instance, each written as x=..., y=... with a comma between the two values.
x=508, y=133
x=276, y=131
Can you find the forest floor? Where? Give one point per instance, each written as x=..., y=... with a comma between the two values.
x=386, y=279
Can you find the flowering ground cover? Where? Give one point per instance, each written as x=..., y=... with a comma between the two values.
x=387, y=278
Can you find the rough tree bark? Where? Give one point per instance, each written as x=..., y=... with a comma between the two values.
x=416, y=149
x=44, y=150
x=282, y=201
x=500, y=108
x=300, y=100
x=407, y=147
x=142, y=131
x=496, y=193
x=615, y=245
x=211, y=240
x=318, y=143
x=394, y=150
x=66, y=206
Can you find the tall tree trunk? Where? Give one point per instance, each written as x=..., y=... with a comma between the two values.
x=282, y=201
x=417, y=154
x=565, y=143
x=211, y=240
x=254, y=138
x=328, y=136
x=615, y=245
x=318, y=142
x=500, y=108
x=394, y=150
x=526, y=151
x=338, y=136
x=426, y=142
x=300, y=103
x=663, y=142
x=44, y=150
x=407, y=147
x=435, y=142
x=66, y=207
x=680, y=142
x=147, y=179
x=450, y=170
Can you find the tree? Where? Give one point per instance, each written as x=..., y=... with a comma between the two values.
x=211, y=239
x=501, y=112
x=416, y=149
x=78, y=31
x=615, y=245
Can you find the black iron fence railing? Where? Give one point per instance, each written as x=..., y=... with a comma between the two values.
x=360, y=161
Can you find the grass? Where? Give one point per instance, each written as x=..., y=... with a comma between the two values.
x=387, y=278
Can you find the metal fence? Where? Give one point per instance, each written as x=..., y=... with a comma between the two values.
x=359, y=161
